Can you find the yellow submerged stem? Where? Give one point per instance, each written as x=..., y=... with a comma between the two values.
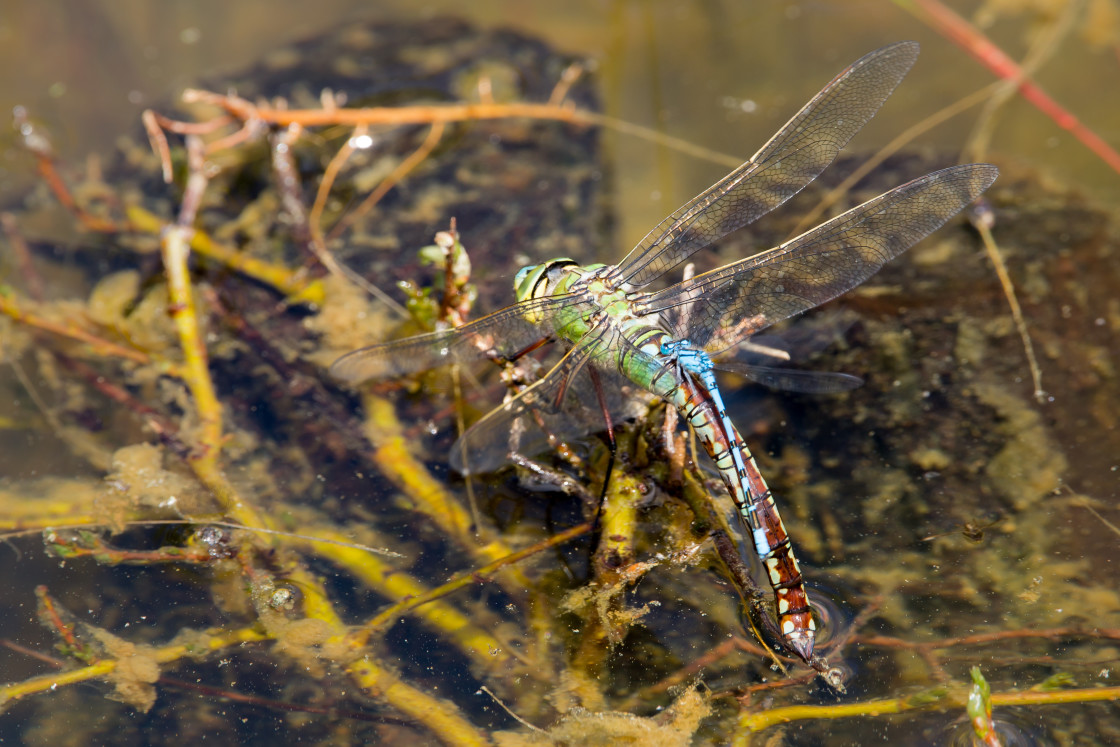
x=441, y=717
x=216, y=641
x=619, y=521
x=294, y=285
x=396, y=462
x=396, y=584
x=755, y=721
x=175, y=248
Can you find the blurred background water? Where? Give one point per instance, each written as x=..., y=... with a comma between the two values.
x=723, y=74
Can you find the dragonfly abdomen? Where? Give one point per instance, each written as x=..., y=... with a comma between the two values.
x=701, y=404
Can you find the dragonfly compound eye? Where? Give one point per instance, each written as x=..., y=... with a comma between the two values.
x=537, y=281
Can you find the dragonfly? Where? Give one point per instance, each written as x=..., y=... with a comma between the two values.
x=623, y=332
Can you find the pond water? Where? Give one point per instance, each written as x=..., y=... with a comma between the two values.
x=945, y=516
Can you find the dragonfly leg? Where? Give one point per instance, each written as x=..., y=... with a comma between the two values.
x=612, y=446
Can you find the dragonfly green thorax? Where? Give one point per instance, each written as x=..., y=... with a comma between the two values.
x=619, y=334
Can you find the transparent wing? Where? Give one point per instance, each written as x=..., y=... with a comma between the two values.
x=818, y=265
x=793, y=380
x=503, y=333
x=562, y=406
x=795, y=156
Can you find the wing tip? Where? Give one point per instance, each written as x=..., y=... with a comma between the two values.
x=978, y=176
x=348, y=369
x=989, y=172
x=903, y=54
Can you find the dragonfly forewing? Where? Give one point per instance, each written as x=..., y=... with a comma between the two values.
x=822, y=263
x=793, y=157
x=501, y=335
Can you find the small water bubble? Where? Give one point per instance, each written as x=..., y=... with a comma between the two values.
x=360, y=142
x=216, y=541
x=284, y=598
x=210, y=536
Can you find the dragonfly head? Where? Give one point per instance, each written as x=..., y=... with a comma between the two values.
x=537, y=281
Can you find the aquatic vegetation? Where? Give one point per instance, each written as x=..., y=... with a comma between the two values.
x=234, y=545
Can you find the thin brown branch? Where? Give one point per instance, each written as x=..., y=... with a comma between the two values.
x=414, y=159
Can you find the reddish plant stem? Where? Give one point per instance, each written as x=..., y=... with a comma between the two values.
x=33, y=284
x=970, y=39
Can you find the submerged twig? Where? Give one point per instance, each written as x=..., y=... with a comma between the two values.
x=414, y=159
x=982, y=218
x=464, y=580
